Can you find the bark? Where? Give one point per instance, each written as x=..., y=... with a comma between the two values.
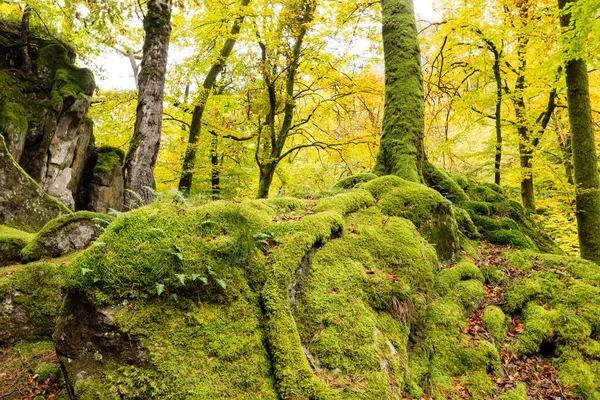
x=145, y=143
x=25, y=41
x=189, y=161
x=401, y=151
x=498, y=116
x=564, y=142
x=215, y=178
x=585, y=158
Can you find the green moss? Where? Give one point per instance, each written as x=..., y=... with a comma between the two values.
x=514, y=239
x=487, y=224
x=480, y=385
x=493, y=275
x=351, y=181
x=478, y=207
x=448, y=278
x=42, y=244
x=380, y=186
x=108, y=158
x=33, y=296
x=462, y=181
x=486, y=193
x=581, y=376
x=465, y=223
x=346, y=203
x=496, y=324
x=517, y=393
x=13, y=114
x=288, y=204
x=12, y=241
x=439, y=180
x=539, y=329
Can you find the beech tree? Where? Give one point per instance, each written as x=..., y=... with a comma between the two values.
x=401, y=151
x=585, y=157
x=144, y=145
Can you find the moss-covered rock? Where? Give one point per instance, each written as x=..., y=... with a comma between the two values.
x=439, y=180
x=12, y=241
x=465, y=223
x=30, y=298
x=431, y=213
x=496, y=324
x=66, y=234
x=351, y=181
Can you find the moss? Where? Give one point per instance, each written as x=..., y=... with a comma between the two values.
x=108, y=158
x=581, y=376
x=539, y=329
x=514, y=239
x=412, y=201
x=517, y=393
x=31, y=300
x=480, y=385
x=12, y=241
x=13, y=114
x=496, y=324
x=493, y=275
x=351, y=181
x=485, y=193
x=380, y=186
x=462, y=181
x=487, y=224
x=288, y=204
x=346, y=203
x=478, y=208
x=448, y=278
x=465, y=223
x=44, y=243
x=439, y=180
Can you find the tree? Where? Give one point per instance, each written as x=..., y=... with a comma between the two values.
x=585, y=158
x=143, y=149
x=189, y=162
x=402, y=151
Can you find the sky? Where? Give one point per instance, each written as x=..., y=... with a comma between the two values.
x=118, y=73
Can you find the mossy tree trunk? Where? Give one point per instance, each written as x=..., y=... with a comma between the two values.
x=25, y=41
x=585, y=158
x=497, y=114
x=143, y=149
x=189, y=161
x=215, y=178
x=401, y=151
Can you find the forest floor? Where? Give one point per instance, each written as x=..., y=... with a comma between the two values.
x=26, y=367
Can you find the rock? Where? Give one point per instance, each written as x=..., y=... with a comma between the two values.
x=12, y=241
x=30, y=298
x=65, y=235
x=103, y=180
x=23, y=203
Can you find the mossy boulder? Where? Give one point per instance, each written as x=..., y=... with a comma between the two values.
x=351, y=181
x=66, y=234
x=30, y=298
x=439, y=180
x=12, y=241
x=431, y=213
x=273, y=298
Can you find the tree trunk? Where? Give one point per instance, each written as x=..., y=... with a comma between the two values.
x=585, y=159
x=267, y=173
x=401, y=151
x=498, y=116
x=189, y=161
x=25, y=42
x=145, y=143
x=215, y=178
x=567, y=153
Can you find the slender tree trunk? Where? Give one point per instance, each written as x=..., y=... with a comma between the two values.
x=189, y=161
x=145, y=143
x=267, y=173
x=401, y=151
x=25, y=41
x=585, y=158
x=565, y=146
x=215, y=178
x=498, y=116
x=525, y=145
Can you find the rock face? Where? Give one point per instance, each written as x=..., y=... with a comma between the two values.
x=23, y=203
x=43, y=117
x=65, y=235
x=103, y=181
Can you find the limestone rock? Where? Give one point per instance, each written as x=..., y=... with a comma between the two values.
x=23, y=203
x=66, y=234
x=103, y=182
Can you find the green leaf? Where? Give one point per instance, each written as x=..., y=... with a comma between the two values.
x=174, y=296
x=203, y=280
x=160, y=288
x=177, y=252
x=181, y=278
x=221, y=283
x=85, y=271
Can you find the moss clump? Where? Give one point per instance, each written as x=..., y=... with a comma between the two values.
x=346, y=203
x=490, y=193
x=493, y=275
x=478, y=208
x=65, y=234
x=496, y=324
x=351, y=181
x=13, y=114
x=108, y=158
x=30, y=300
x=288, y=204
x=12, y=241
x=580, y=375
x=465, y=223
x=380, y=186
x=439, y=180
x=514, y=239
x=517, y=393
x=480, y=385
x=448, y=278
